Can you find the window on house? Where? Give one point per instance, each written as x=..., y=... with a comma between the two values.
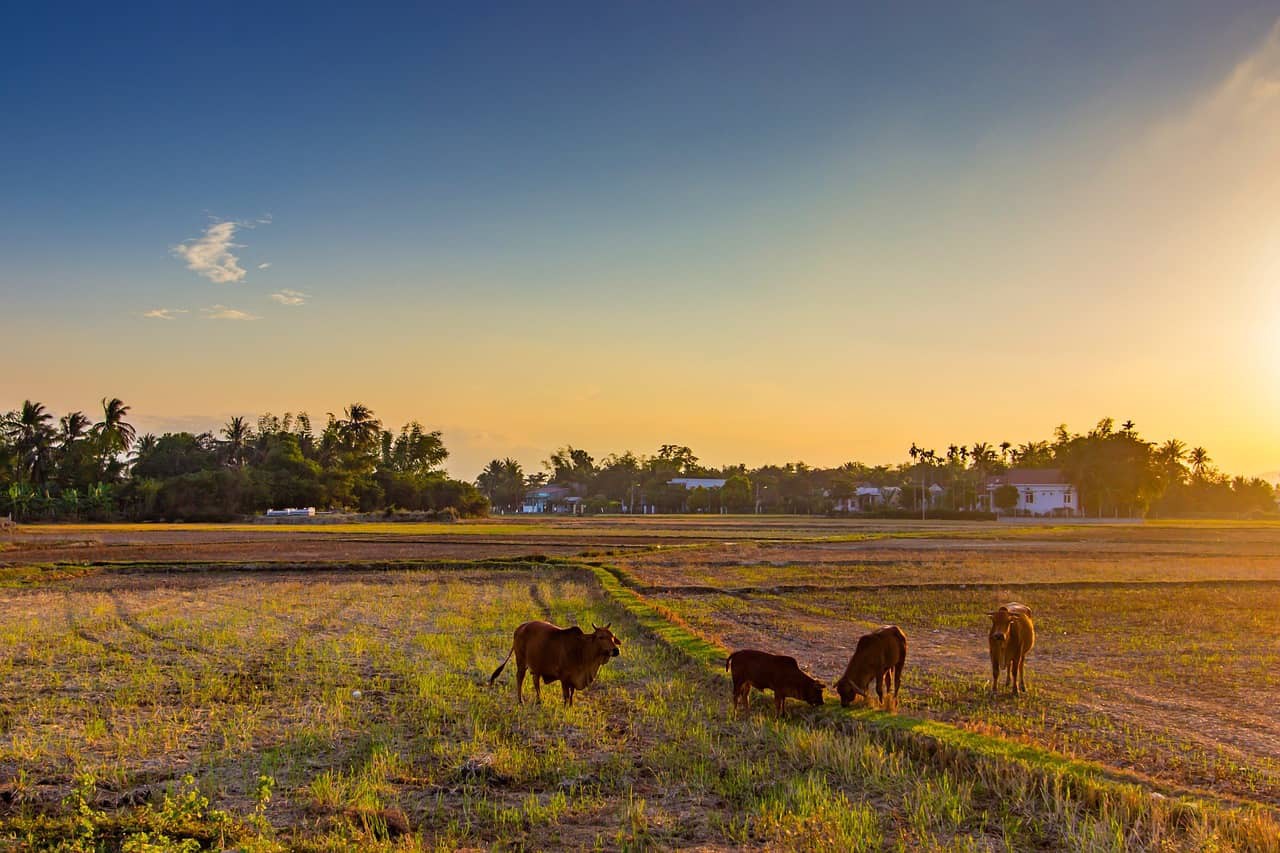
x=1030, y=497
x=1066, y=497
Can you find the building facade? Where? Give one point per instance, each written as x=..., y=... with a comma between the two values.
x=1041, y=492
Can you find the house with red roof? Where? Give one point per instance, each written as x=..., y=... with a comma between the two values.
x=1041, y=492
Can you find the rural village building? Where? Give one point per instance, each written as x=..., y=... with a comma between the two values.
x=1041, y=491
x=548, y=499
x=692, y=483
x=869, y=498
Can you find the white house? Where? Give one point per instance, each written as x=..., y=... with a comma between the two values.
x=866, y=498
x=1041, y=491
x=548, y=499
x=692, y=483
x=292, y=512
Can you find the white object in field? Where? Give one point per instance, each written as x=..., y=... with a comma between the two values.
x=356, y=694
x=293, y=512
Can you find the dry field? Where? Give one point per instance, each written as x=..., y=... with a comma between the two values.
x=219, y=709
x=498, y=537
x=148, y=707
x=1158, y=648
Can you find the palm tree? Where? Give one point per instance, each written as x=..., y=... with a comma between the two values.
x=502, y=481
x=145, y=444
x=984, y=459
x=71, y=428
x=114, y=433
x=1199, y=459
x=1170, y=456
x=1033, y=454
x=32, y=436
x=359, y=430
x=238, y=434
x=74, y=454
x=114, y=436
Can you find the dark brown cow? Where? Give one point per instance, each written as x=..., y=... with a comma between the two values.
x=567, y=655
x=878, y=657
x=1011, y=637
x=778, y=673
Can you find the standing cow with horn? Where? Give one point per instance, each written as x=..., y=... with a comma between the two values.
x=551, y=653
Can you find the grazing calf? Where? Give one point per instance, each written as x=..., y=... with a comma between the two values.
x=1011, y=637
x=556, y=654
x=779, y=673
x=879, y=656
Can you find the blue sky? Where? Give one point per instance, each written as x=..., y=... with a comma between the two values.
x=735, y=225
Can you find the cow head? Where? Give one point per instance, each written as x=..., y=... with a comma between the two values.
x=604, y=642
x=850, y=689
x=812, y=691
x=1001, y=620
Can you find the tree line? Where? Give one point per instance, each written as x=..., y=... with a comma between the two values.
x=98, y=468
x=76, y=468
x=1115, y=470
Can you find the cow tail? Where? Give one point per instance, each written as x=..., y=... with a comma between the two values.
x=501, y=666
x=727, y=661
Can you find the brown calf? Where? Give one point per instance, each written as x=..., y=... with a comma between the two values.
x=779, y=673
x=879, y=656
x=1011, y=637
x=556, y=654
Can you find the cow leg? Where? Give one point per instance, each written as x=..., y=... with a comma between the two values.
x=537, y=688
x=742, y=694
x=995, y=674
x=520, y=670
x=880, y=680
x=1022, y=673
x=567, y=691
x=779, y=701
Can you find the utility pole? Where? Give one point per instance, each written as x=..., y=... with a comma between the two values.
x=924, y=491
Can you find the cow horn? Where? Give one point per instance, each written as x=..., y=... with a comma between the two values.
x=594, y=627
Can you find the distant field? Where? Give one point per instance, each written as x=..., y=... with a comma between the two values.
x=915, y=562
x=1158, y=657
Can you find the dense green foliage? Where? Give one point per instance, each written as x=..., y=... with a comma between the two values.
x=103, y=470
x=78, y=468
x=1117, y=473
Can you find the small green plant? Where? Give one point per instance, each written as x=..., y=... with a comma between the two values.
x=261, y=799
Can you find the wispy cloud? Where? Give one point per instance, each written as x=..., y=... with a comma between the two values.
x=290, y=297
x=264, y=266
x=222, y=312
x=164, y=313
x=1255, y=82
x=211, y=254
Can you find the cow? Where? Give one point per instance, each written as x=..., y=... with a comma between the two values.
x=567, y=655
x=878, y=657
x=764, y=671
x=1011, y=637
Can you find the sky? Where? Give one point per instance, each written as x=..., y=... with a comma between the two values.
x=771, y=232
